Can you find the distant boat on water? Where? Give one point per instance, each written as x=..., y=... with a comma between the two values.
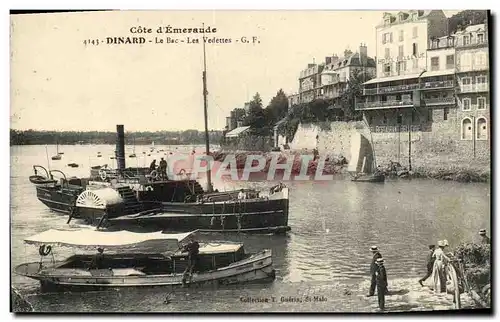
x=58, y=156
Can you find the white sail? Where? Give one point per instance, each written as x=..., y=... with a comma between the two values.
x=361, y=160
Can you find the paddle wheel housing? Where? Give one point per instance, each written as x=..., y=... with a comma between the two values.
x=93, y=204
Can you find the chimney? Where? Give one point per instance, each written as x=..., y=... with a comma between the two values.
x=347, y=53
x=363, y=54
x=120, y=147
x=328, y=60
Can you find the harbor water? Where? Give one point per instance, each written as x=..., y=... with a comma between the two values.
x=322, y=264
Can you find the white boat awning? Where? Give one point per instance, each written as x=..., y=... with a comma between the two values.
x=237, y=131
x=91, y=239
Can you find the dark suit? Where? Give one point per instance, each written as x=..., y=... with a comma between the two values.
x=430, y=265
x=373, y=270
x=485, y=240
x=381, y=278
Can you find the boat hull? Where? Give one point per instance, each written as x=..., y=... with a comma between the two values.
x=254, y=269
x=370, y=178
x=253, y=215
x=57, y=199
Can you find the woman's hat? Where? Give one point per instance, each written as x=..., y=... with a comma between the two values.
x=482, y=232
x=440, y=243
x=374, y=248
x=445, y=243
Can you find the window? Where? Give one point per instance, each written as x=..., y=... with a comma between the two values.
x=412, y=116
x=480, y=59
x=400, y=66
x=415, y=31
x=466, y=129
x=435, y=63
x=450, y=62
x=429, y=115
x=466, y=81
x=466, y=40
x=387, y=53
x=415, y=63
x=401, y=52
x=387, y=37
x=387, y=69
x=415, y=49
x=401, y=35
x=400, y=118
x=480, y=38
x=481, y=79
x=466, y=60
x=481, y=129
x=466, y=104
x=446, y=111
x=481, y=103
x=385, y=119
x=450, y=42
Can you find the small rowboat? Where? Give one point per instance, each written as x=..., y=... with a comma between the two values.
x=219, y=264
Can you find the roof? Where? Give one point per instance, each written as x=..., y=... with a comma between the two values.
x=390, y=78
x=351, y=60
x=438, y=73
x=472, y=28
x=237, y=131
x=90, y=238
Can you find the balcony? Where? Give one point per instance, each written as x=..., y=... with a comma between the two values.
x=473, y=88
x=471, y=44
x=390, y=89
x=439, y=101
x=386, y=104
x=437, y=85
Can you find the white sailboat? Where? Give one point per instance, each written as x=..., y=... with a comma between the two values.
x=362, y=165
x=58, y=156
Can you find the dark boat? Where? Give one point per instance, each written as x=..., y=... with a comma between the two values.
x=218, y=263
x=73, y=165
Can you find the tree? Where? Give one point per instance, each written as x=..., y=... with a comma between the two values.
x=277, y=108
x=466, y=18
x=352, y=94
x=256, y=118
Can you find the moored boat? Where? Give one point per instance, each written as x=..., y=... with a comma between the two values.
x=362, y=164
x=127, y=262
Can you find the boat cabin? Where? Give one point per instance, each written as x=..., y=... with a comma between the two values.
x=211, y=257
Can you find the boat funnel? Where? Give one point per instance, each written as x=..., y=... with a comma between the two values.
x=120, y=147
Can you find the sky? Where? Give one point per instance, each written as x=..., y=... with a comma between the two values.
x=58, y=83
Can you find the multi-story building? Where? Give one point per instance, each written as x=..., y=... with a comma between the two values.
x=293, y=99
x=235, y=119
x=310, y=82
x=472, y=74
x=394, y=97
x=443, y=95
x=328, y=80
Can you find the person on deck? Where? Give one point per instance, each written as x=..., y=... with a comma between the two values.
x=242, y=195
x=98, y=259
x=381, y=280
x=373, y=269
x=163, y=168
x=484, y=238
x=152, y=166
x=430, y=264
x=193, y=249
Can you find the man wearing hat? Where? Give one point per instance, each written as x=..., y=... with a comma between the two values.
x=430, y=264
x=373, y=269
x=381, y=278
x=484, y=239
x=98, y=259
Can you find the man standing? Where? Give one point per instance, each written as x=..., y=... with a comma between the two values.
x=193, y=249
x=98, y=259
x=430, y=264
x=381, y=277
x=484, y=239
x=152, y=166
x=163, y=168
x=373, y=269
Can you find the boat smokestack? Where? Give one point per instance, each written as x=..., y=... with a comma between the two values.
x=120, y=147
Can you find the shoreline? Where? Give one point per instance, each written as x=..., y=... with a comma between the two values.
x=333, y=165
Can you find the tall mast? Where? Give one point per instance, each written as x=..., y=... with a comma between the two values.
x=205, y=108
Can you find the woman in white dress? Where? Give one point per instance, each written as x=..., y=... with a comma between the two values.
x=441, y=260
